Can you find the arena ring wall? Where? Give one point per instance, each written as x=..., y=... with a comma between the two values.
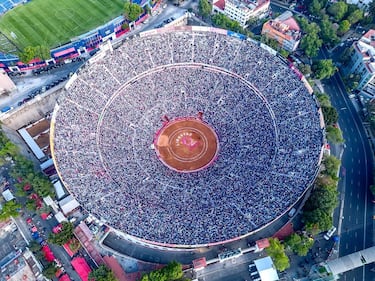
x=267, y=121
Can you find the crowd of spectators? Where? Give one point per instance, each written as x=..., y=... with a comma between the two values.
x=267, y=123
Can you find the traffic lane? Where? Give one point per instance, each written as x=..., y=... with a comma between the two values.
x=354, y=207
x=156, y=255
x=233, y=269
x=359, y=273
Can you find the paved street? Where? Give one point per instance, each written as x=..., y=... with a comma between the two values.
x=356, y=231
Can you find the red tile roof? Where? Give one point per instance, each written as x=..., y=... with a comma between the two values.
x=220, y=4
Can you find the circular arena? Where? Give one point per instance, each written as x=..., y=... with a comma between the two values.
x=187, y=136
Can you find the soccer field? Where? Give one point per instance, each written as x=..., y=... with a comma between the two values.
x=55, y=22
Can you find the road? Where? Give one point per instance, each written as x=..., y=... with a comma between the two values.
x=357, y=163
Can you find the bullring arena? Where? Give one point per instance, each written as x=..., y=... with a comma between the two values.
x=131, y=124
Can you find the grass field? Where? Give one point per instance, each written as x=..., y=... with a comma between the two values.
x=55, y=22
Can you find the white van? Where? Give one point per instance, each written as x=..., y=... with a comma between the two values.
x=329, y=233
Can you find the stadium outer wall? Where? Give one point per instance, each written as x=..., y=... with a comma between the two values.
x=300, y=201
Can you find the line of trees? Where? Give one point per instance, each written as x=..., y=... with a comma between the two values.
x=28, y=180
x=318, y=210
x=102, y=273
x=333, y=132
x=171, y=272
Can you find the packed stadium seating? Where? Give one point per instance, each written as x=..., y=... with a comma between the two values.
x=266, y=121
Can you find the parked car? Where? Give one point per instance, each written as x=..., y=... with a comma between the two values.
x=329, y=233
x=6, y=109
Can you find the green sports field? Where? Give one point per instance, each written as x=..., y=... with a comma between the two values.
x=55, y=22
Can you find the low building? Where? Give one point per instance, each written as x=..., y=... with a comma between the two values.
x=6, y=84
x=362, y=4
x=265, y=269
x=241, y=11
x=285, y=30
x=362, y=64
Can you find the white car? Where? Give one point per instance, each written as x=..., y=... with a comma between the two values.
x=329, y=233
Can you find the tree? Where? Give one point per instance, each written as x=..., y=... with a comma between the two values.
x=371, y=9
x=34, y=246
x=322, y=198
x=299, y=244
x=315, y=7
x=132, y=11
x=331, y=164
x=42, y=52
x=63, y=236
x=305, y=69
x=49, y=271
x=324, y=69
x=30, y=205
x=327, y=33
x=205, y=8
x=355, y=16
x=326, y=181
x=318, y=219
x=311, y=43
x=277, y=253
x=102, y=273
x=330, y=115
x=172, y=272
x=42, y=185
x=334, y=135
x=224, y=22
x=27, y=54
x=269, y=42
x=372, y=189
x=324, y=100
x=10, y=209
x=338, y=10
x=344, y=27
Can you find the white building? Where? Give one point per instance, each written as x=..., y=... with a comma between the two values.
x=362, y=4
x=241, y=11
x=363, y=64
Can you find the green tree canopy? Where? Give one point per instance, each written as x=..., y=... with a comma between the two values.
x=277, y=253
x=305, y=69
x=299, y=244
x=27, y=54
x=50, y=270
x=334, y=135
x=222, y=21
x=372, y=189
x=330, y=115
x=34, y=246
x=331, y=164
x=31, y=52
x=204, y=8
x=344, y=27
x=327, y=33
x=324, y=69
x=102, y=273
x=172, y=272
x=324, y=100
x=132, y=11
x=311, y=43
x=322, y=198
x=338, y=10
x=314, y=7
x=371, y=9
x=10, y=209
x=63, y=236
x=318, y=219
x=355, y=16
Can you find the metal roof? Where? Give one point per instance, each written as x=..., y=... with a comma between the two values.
x=352, y=261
